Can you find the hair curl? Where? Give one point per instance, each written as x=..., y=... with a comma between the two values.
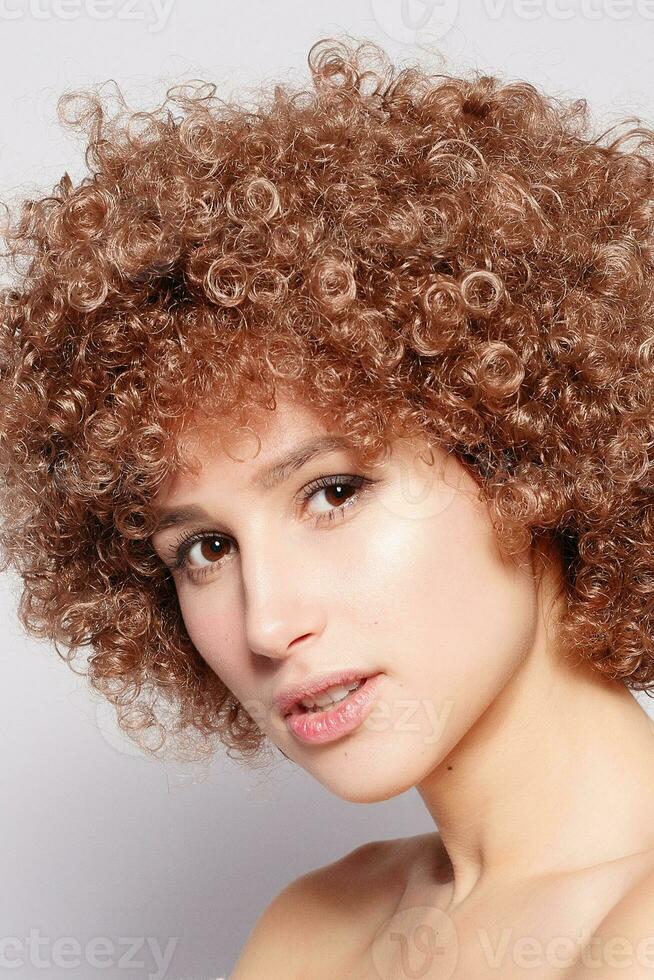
x=419, y=253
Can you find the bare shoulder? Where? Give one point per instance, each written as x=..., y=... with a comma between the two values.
x=312, y=916
x=622, y=945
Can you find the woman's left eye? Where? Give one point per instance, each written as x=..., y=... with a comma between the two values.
x=335, y=487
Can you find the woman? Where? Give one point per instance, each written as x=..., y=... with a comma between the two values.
x=329, y=427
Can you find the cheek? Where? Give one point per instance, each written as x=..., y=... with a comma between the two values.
x=433, y=568
x=214, y=629
x=450, y=616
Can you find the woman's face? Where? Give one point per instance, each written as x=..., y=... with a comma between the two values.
x=400, y=575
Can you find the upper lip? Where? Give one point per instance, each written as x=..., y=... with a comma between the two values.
x=286, y=700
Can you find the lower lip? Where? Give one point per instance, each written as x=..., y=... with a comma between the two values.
x=332, y=723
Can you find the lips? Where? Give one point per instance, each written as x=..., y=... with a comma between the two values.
x=288, y=702
x=333, y=723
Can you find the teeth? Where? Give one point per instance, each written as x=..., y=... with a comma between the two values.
x=331, y=696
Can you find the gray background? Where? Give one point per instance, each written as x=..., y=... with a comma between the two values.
x=98, y=841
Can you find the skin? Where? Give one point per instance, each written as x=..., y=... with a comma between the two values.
x=510, y=744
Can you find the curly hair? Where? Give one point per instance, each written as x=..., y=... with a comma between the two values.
x=417, y=253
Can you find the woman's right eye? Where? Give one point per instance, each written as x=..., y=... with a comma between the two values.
x=208, y=545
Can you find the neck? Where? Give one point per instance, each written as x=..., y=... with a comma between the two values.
x=555, y=776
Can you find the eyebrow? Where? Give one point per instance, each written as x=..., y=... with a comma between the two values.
x=269, y=477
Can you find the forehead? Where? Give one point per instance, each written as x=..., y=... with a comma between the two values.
x=251, y=446
x=269, y=427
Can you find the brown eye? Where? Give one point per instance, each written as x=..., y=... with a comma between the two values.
x=210, y=548
x=339, y=493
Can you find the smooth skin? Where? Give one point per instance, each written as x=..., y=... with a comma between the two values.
x=538, y=773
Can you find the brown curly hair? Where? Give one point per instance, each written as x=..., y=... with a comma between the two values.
x=416, y=253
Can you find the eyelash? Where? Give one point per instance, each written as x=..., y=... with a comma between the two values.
x=181, y=547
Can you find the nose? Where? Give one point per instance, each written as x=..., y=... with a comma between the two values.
x=284, y=593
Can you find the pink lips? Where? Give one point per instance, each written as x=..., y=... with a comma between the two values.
x=335, y=722
x=289, y=700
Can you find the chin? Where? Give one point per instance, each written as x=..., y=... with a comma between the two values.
x=357, y=782
x=370, y=794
